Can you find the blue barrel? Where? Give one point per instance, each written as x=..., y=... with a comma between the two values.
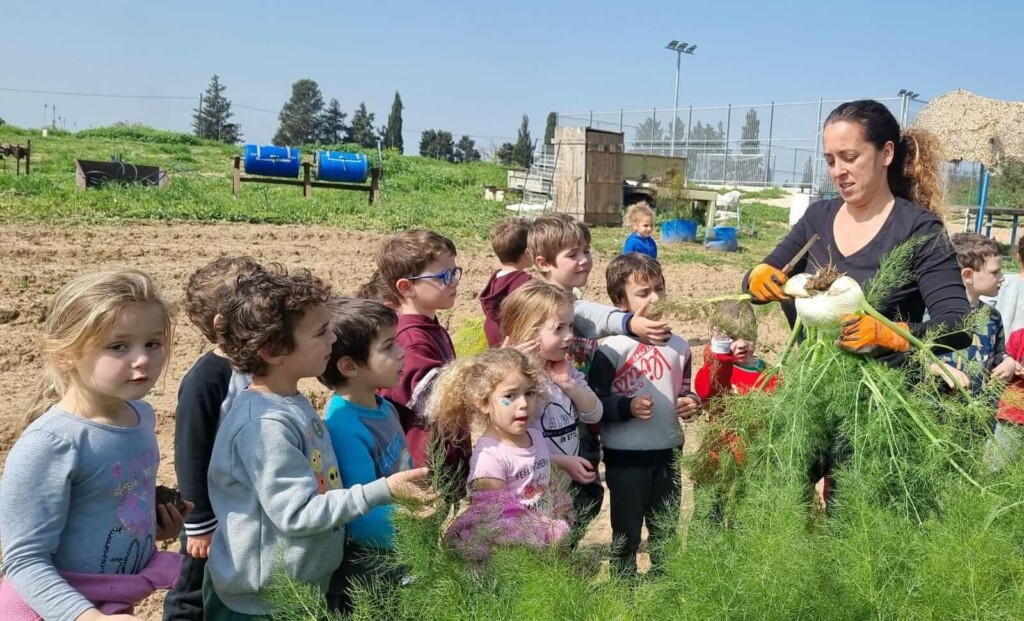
x=678, y=231
x=723, y=239
x=272, y=161
x=341, y=166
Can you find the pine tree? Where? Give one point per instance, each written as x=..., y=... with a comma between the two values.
x=504, y=153
x=438, y=144
x=332, y=124
x=211, y=120
x=808, y=178
x=465, y=150
x=678, y=135
x=549, y=128
x=300, y=116
x=750, y=133
x=393, y=131
x=522, y=151
x=361, y=130
x=649, y=133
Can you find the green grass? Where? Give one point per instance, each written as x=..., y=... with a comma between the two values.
x=418, y=192
x=766, y=193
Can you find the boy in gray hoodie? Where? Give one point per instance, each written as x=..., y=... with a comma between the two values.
x=645, y=391
x=273, y=479
x=560, y=247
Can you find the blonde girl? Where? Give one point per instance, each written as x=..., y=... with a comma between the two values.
x=78, y=513
x=538, y=317
x=510, y=469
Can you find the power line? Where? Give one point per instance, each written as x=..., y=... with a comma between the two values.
x=108, y=95
x=192, y=98
x=244, y=107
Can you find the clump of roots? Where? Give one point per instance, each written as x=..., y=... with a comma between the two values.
x=820, y=282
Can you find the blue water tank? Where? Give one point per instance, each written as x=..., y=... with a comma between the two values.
x=678, y=231
x=272, y=161
x=723, y=238
x=341, y=166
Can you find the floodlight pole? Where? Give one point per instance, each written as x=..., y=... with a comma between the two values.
x=679, y=49
x=675, y=107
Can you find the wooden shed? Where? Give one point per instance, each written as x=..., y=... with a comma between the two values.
x=588, y=174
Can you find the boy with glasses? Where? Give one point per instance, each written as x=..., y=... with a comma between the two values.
x=419, y=267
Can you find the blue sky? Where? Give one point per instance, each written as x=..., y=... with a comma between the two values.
x=475, y=68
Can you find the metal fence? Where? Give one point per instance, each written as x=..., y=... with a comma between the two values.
x=773, y=144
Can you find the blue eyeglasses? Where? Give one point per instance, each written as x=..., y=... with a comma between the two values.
x=446, y=277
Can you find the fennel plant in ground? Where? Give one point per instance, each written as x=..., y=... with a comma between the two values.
x=917, y=528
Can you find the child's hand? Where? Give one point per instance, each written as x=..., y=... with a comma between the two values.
x=1006, y=369
x=740, y=350
x=169, y=521
x=560, y=372
x=655, y=332
x=198, y=546
x=687, y=408
x=411, y=486
x=957, y=375
x=641, y=407
x=529, y=347
x=579, y=468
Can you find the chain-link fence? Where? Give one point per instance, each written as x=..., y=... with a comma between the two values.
x=774, y=144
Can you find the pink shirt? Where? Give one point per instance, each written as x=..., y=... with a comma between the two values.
x=526, y=471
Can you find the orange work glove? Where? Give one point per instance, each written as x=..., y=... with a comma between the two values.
x=863, y=334
x=765, y=284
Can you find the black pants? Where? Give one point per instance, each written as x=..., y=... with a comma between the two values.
x=642, y=493
x=185, y=601
x=361, y=566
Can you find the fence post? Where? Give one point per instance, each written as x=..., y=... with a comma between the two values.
x=654, y=123
x=796, y=152
x=728, y=130
x=817, y=145
x=768, y=159
x=689, y=128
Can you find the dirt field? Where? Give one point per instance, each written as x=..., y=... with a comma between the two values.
x=35, y=260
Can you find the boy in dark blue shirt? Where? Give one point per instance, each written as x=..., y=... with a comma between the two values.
x=981, y=267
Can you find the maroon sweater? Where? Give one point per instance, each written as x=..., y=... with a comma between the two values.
x=428, y=347
x=494, y=293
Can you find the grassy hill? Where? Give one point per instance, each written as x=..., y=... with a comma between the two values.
x=417, y=192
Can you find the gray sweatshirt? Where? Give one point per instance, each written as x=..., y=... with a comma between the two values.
x=277, y=493
x=624, y=369
x=78, y=496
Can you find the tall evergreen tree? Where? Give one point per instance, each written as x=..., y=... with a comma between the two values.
x=211, y=121
x=522, y=151
x=332, y=124
x=549, y=128
x=393, y=130
x=808, y=178
x=465, y=150
x=504, y=154
x=751, y=132
x=361, y=130
x=300, y=116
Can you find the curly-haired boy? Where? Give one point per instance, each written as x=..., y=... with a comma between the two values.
x=274, y=478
